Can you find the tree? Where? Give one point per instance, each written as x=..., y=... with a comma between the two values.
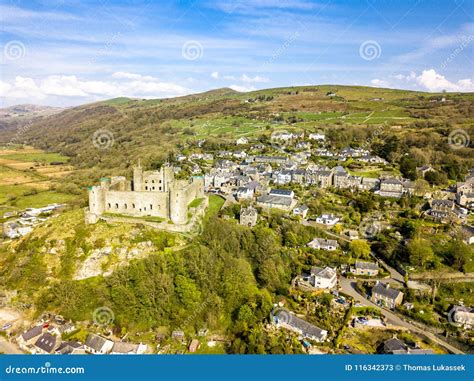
x=360, y=248
x=436, y=178
x=420, y=252
x=460, y=254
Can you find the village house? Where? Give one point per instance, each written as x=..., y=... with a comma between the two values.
x=298, y=176
x=317, y=136
x=248, y=216
x=283, y=177
x=70, y=348
x=194, y=345
x=324, y=244
x=462, y=316
x=467, y=233
x=244, y=193
x=27, y=338
x=423, y=170
x=369, y=184
x=443, y=211
x=352, y=234
x=391, y=188
x=301, y=210
x=327, y=219
x=465, y=192
x=278, y=198
x=323, y=278
x=395, y=346
x=242, y=140
x=122, y=348
x=287, y=320
x=365, y=268
x=385, y=295
x=270, y=159
x=45, y=344
x=282, y=135
x=98, y=345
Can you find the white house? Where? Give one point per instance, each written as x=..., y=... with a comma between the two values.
x=317, y=136
x=301, y=210
x=245, y=193
x=323, y=278
x=327, y=219
x=96, y=344
x=323, y=244
x=242, y=140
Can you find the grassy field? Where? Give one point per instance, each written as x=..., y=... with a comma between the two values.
x=215, y=204
x=27, y=178
x=39, y=157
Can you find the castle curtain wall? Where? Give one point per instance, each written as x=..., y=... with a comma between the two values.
x=137, y=203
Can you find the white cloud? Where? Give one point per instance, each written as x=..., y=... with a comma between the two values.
x=245, y=78
x=433, y=81
x=135, y=76
x=379, y=83
x=242, y=89
x=215, y=74
x=69, y=86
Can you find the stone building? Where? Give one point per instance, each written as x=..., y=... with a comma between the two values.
x=248, y=216
x=150, y=193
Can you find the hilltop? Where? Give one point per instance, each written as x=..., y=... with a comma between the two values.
x=154, y=128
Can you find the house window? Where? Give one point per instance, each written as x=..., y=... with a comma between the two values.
x=153, y=188
x=109, y=205
x=146, y=188
x=125, y=206
x=153, y=181
x=160, y=188
x=116, y=206
x=151, y=207
x=144, y=208
x=133, y=206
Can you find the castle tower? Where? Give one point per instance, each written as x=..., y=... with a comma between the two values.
x=96, y=203
x=138, y=177
x=167, y=174
x=178, y=206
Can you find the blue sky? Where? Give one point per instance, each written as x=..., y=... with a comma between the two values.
x=73, y=52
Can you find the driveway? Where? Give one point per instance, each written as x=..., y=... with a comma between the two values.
x=348, y=287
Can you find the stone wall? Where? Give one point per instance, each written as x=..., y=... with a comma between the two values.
x=154, y=204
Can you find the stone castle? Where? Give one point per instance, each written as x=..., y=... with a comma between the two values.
x=150, y=193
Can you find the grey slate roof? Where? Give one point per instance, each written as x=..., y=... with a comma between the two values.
x=383, y=290
x=281, y=192
x=95, y=342
x=275, y=200
x=366, y=265
x=307, y=329
x=46, y=342
x=33, y=332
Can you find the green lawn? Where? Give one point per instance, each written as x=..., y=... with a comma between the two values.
x=195, y=203
x=42, y=157
x=215, y=204
x=42, y=199
x=144, y=218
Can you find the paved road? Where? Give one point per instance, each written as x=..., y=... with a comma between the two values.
x=348, y=287
x=7, y=347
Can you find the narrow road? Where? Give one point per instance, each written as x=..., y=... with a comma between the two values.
x=348, y=287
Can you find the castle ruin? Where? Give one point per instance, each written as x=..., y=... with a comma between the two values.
x=150, y=193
